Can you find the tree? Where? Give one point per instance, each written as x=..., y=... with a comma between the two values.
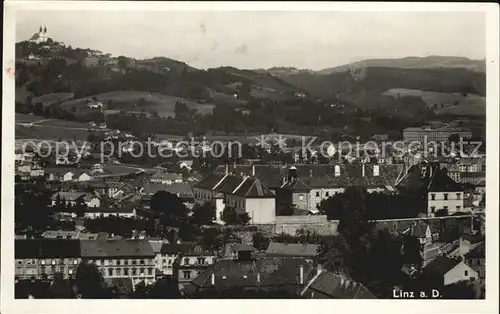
x=89, y=281
x=123, y=62
x=454, y=138
x=259, y=241
x=203, y=214
x=231, y=216
x=211, y=239
x=170, y=207
x=441, y=213
x=80, y=207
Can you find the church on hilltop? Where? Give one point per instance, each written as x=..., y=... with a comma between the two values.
x=40, y=37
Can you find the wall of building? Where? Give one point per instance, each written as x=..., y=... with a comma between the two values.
x=314, y=223
x=459, y=273
x=454, y=203
x=261, y=210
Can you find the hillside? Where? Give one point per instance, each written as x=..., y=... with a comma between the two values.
x=376, y=80
x=431, y=62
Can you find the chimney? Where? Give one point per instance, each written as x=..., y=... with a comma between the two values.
x=212, y=278
x=319, y=269
x=337, y=170
x=363, y=170
x=227, y=169
x=301, y=276
x=253, y=171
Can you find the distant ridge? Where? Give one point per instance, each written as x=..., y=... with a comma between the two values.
x=430, y=62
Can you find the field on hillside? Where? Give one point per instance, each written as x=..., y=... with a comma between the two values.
x=56, y=98
x=471, y=104
x=130, y=101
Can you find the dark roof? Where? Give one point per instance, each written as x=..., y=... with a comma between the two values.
x=253, y=187
x=477, y=252
x=433, y=180
x=121, y=248
x=239, y=247
x=296, y=185
x=110, y=210
x=176, y=248
x=229, y=184
x=46, y=248
x=321, y=175
x=210, y=181
x=163, y=175
x=441, y=265
x=329, y=285
x=270, y=272
x=292, y=249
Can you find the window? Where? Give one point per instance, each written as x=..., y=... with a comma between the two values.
x=433, y=197
x=445, y=207
x=134, y=262
x=134, y=271
x=458, y=196
x=301, y=197
x=125, y=262
x=458, y=207
x=110, y=272
x=118, y=271
x=169, y=262
x=125, y=271
x=433, y=209
x=201, y=260
x=187, y=274
x=141, y=262
x=327, y=194
x=445, y=196
x=118, y=262
x=19, y=262
x=466, y=273
x=150, y=271
x=186, y=261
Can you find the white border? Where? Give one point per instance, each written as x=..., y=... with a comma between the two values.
x=490, y=305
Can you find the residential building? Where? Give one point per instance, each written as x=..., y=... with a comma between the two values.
x=119, y=189
x=191, y=264
x=132, y=259
x=74, y=197
x=166, y=178
x=446, y=271
x=168, y=254
x=470, y=165
x=431, y=134
x=475, y=258
x=238, y=250
x=437, y=189
x=46, y=257
x=305, y=251
x=103, y=212
x=181, y=190
x=242, y=192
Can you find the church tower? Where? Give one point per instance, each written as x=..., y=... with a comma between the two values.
x=45, y=34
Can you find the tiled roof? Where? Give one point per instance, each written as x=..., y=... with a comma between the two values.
x=177, y=248
x=229, y=184
x=292, y=249
x=316, y=176
x=296, y=185
x=46, y=248
x=253, y=187
x=329, y=285
x=210, y=181
x=434, y=180
x=441, y=265
x=477, y=252
x=230, y=274
x=166, y=176
x=118, y=248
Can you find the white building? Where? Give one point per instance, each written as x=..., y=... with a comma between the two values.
x=40, y=37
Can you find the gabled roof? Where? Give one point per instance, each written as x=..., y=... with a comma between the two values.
x=68, y=196
x=46, y=248
x=296, y=185
x=441, y=265
x=166, y=175
x=292, y=249
x=329, y=285
x=210, y=181
x=253, y=187
x=477, y=252
x=432, y=179
x=116, y=248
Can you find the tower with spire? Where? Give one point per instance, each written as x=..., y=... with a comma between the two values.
x=40, y=37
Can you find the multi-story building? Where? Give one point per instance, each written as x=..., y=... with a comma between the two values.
x=190, y=264
x=437, y=189
x=46, y=257
x=430, y=134
x=168, y=254
x=132, y=259
x=164, y=177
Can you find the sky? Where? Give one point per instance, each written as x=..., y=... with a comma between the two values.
x=251, y=40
